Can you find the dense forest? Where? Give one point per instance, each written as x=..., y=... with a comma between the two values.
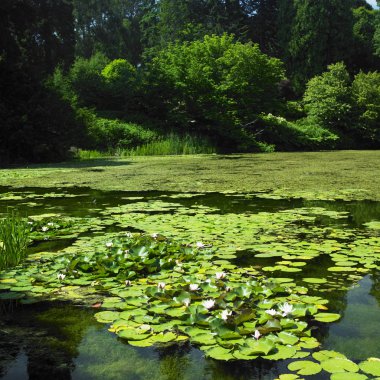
x=233, y=76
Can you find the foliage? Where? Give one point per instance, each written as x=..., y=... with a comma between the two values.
x=320, y=34
x=86, y=81
x=171, y=145
x=366, y=95
x=108, y=134
x=328, y=100
x=362, y=56
x=215, y=83
x=293, y=136
x=14, y=239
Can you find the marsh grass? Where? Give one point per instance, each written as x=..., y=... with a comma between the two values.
x=171, y=144
x=14, y=238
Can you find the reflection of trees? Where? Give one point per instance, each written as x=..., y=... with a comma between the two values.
x=360, y=211
x=375, y=288
x=48, y=335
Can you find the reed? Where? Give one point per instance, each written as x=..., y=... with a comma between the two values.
x=14, y=239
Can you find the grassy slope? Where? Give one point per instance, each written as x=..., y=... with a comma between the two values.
x=310, y=174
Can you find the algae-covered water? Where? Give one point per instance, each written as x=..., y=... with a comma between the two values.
x=325, y=248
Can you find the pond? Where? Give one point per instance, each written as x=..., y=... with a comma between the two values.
x=328, y=251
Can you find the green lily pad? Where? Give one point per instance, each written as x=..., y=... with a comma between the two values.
x=219, y=353
x=371, y=366
x=326, y=317
x=348, y=376
x=107, y=316
x=305, y=367
x=339, y=365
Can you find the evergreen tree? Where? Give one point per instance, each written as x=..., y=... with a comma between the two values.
x=321, y=33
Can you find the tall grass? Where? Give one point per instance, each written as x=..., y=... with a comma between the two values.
x=14, y=238
x=171, y=144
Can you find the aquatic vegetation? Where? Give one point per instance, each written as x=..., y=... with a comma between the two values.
x=238, y=284
x=14, y=239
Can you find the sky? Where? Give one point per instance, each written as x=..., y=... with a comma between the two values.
x=372, y=2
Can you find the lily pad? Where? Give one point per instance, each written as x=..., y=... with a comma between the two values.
x=305, y=367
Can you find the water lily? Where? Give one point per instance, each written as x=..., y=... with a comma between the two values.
x=128, y=282
x=220, y=275
x=109, y=244
x=199, y=244
x=228, y=289
x=257, y=334
x=286, y=309
x=61, y=276
x=225, y=314
x=44, y=229
x=50, y=224
x=208, y=304
x=154, y=236
x=271, y=312
x=186, y=302
x=193, y=287
x=161, y=285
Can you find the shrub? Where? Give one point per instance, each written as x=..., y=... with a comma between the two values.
x=291, y=136
x=109, y=134
x=366, y=95
x=215, y=84
x=14, y=238
x=121, y=83
x=328, y=100
x=86, y=81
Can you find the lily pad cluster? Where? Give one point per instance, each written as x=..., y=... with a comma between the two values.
x=131, y=256
x=337, y=365
x=228, y=315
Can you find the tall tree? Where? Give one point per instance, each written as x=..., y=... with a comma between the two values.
x=321, y=34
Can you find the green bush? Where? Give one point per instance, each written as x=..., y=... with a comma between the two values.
x=215, y=84
x=86, y=82
x=14, y=238
x=110, y=134
x=292, y=136
x=366, y=95
x=121, y=82
x=327, y=99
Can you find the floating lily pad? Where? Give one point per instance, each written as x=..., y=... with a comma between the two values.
x=339, y=365
x=371, y=366
x=305, y=367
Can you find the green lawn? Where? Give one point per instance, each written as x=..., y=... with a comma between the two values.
x=347, y=174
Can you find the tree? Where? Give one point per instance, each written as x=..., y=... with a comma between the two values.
x=362, y=56
x=216, y=84
x=35, y=36
x=320, y=34
x=328, y=100
x=366, y=95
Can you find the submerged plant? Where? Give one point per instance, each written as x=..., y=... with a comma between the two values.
x=14, y=238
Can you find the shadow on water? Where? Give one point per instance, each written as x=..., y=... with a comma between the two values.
x=63, y=341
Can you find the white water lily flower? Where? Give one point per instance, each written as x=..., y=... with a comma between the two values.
x=208, y=304
x=199, y=244
x=193, y=287
x=220, y=275
x=271, y=312
x=50, y=224
x=61, y=276
x=225, y=314
x=228, y=289
x=257, y=334
x=44, y=229
x=128, y=282
x=128, y=234
x=286, y=309
x=186, y=302
x=161, y=285
x=109, y=244
x=154, y=236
